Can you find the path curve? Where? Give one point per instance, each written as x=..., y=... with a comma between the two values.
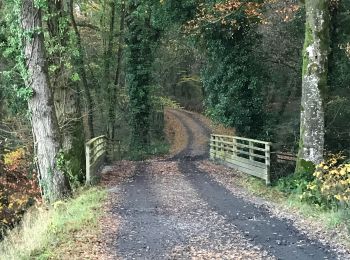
x=172, y=209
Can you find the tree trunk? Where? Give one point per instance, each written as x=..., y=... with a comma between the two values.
x=107, y=70
x=117, y=84
x=315, y=69
x=139, y=41
x=120, y=44
x=66, y=93
x=82, y=72
x=44, y=122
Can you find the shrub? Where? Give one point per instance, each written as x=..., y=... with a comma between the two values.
x=330, y=187
x=18, y=188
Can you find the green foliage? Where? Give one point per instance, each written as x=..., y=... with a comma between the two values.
x=232, y=77
x=140, y=39
x=295, y=183
x=337, y=107
x=65, y=165
x=11, y=48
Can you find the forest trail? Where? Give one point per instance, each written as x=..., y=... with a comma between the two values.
x=175, y=208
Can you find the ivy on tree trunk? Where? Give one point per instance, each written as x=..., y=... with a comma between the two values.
x=139, y=40
x=66, y=93
x=46, y=133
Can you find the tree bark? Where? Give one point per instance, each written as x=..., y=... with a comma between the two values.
x=53, y=182
x=314, y=85
x=120, y=45
x=117, y=84
x=82, y=72
x=107, y=64
x=139, y=60
x=66, y=93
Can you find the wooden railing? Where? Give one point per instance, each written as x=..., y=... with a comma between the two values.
x=246, y=155
x=96, y=153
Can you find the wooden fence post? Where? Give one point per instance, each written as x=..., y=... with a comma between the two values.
x=267, y=162
x=251, y=151
x=87, y=163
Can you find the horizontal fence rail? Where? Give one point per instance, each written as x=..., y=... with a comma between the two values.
x=246, y=155
x=96, y=154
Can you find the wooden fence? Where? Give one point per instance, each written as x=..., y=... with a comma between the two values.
x=246, y=155
x=96, y=154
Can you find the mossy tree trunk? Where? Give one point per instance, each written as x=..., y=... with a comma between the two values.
x=54, y=183
x=314, y=76
x=66, y=93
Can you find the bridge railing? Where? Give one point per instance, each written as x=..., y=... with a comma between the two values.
x=246, y=155
x=96, y=154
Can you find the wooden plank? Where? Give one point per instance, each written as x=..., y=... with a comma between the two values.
x=96, y=150
x=245, y=170
x=241, y=138
x=251, y=147
x=237, y=149
x=267, y=161
x=247, y=161
x=87, y=165
x=253, y=155
x=250, y=150
x=97, y=146
x=241, y=161
x=241, y=152
x=96, y=155
x=247, y=166
x=94, y=139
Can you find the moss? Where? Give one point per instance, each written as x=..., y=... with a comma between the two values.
x=308, y=41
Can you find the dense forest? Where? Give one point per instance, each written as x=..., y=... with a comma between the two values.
x=71, y=70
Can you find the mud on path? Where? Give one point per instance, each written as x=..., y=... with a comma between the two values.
x=174, y=208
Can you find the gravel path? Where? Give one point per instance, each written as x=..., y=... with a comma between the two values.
x=170, y=208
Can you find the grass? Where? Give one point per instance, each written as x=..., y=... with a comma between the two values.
x=44, y=229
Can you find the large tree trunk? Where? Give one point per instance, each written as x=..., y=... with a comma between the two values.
x=82, y=72
x=44, y=122
x=315, y=69
x=66, y=93
x=139, y=41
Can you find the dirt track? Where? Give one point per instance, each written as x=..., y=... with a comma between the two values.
x=171, y=208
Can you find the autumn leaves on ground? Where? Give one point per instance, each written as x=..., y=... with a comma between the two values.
x=179, y=206
x=183, y=206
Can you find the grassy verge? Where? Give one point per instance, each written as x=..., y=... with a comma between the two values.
x=330, y=218
x=44, y=230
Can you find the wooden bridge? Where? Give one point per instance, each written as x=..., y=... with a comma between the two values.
x=246, y=155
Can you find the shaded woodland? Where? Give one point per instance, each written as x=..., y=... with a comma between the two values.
x=71, y=70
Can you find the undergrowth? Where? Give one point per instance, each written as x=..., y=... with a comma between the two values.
x=43, y=230
x=289, y=196
x=156, y=148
